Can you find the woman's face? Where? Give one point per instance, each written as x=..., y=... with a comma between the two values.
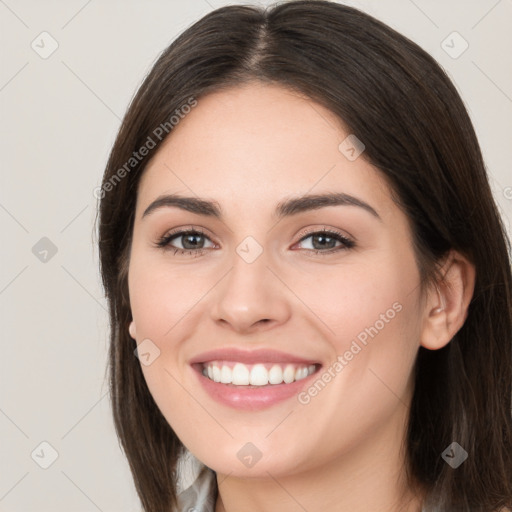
x=274, y=295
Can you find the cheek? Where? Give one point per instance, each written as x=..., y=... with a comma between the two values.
x=162, y=297
x=165, y=303
x=370, y=318
x=370, y=315
x=162, y=303
x=364, y=299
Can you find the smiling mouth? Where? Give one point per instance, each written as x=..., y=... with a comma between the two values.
x=236, y=374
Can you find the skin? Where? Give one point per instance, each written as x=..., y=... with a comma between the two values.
x=248, y=148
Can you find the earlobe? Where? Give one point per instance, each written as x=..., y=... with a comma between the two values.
x=132, y=330
x=446, y=308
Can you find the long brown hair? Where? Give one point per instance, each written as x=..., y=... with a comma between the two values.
x=396, y=99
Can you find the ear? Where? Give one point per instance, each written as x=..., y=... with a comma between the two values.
x=446, y=306
x=132, y=330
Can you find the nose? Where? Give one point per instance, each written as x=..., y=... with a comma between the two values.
x=250, y=298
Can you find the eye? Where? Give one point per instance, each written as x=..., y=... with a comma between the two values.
x=324, y=241
x=191, y=241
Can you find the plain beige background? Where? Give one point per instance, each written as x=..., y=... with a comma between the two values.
x=59, y=116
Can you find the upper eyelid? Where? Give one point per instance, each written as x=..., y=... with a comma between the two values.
x=330, y=231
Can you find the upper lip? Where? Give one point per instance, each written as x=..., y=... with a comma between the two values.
x=250, y=356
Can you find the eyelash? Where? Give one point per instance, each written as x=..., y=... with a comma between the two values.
x=164, y=242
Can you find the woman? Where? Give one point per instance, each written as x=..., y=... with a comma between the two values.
x=299, y=243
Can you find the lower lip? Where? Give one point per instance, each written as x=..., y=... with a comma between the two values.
x=252, y=398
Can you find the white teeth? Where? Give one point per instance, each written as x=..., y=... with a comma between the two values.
x=257, y=374
x=275, y=375
x=240, y=375
x=301, y=373
x=216, y=374
x=289, y=374
x=225, y=375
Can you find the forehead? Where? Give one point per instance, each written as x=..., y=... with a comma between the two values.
x=255, y=144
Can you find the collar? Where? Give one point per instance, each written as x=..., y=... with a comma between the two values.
x=196, y=486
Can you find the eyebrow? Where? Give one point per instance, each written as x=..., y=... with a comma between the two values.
x=286, y=208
